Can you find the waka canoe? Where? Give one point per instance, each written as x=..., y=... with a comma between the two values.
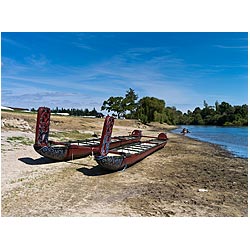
x=126, y=155
x=64, y=151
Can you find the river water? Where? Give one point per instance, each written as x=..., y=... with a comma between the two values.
x=234, y=139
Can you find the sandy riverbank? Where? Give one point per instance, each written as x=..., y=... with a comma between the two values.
x=186, y=178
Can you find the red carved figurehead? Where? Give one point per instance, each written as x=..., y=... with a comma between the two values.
x=106, y=135
x=42, y=126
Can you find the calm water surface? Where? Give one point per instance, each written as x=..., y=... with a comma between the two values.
x=234, y=139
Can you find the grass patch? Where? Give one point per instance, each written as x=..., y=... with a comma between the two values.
x=20, y=140
x=70, y=135
x=18, y=180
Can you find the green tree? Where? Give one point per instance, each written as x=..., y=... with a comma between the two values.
x=173, y=116
x=160, y=117
x=114, y=104
x=217, y=106
x=205, y=104
x=222, y=114
x=198, y=119
x=129, y=102
x=147, y=106
x=224, y=107
x=120, y=105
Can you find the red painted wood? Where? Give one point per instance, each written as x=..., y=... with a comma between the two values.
x=63, y=151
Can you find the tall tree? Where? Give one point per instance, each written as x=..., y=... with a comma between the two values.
x=129, y=102
x=147, y=106
x=120, y=105
x=114, y=104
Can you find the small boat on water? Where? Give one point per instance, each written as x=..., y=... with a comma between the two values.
x=121, y=157
x=185, y=131
x=63, y=151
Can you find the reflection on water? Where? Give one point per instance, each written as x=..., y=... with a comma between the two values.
x=234, y=139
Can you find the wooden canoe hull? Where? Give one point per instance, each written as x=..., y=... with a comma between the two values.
x=112, y=163
x=57, y=153
x=115, y=160
x=63, y=151
x=67, y=151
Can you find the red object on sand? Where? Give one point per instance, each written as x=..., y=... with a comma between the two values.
x=63, y=151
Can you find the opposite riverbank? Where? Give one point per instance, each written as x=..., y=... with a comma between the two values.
x=186, y=178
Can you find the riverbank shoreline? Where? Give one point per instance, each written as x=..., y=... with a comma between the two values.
x=187, y=178
x=233, y=139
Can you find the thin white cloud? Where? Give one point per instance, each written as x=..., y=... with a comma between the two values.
x=12, y=67
x=83, y=46
x=50, y=98
x=225, y=66
x=58, y=83
x=5, y=39
x=38, y=61
x=245, y=47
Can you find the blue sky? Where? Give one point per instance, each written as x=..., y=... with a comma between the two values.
x=81, y=70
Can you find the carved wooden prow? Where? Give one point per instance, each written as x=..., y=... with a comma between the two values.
x=42, y=126
x=106, y=135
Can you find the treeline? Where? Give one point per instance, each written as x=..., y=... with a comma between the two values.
x=150, y=109
x=222, y=114
x=76, y=112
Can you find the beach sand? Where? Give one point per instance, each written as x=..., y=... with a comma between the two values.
x=186, y=178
